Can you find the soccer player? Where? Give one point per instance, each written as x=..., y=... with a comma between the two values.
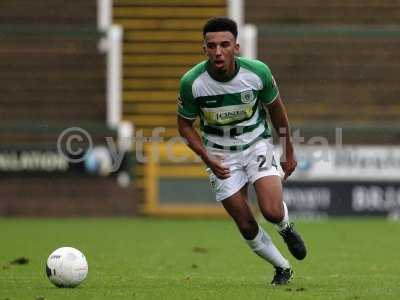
x=230, y=95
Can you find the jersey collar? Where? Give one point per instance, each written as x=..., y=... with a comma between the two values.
x=237, y=67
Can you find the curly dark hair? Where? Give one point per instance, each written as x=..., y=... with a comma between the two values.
x=221, y=24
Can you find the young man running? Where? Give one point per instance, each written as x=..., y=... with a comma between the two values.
x=230, y=95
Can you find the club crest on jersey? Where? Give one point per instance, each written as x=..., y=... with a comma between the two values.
x=247, y=96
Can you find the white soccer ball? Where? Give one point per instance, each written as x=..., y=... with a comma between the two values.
x=66, y=267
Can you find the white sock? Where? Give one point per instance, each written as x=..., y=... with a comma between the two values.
x=285, y=222
x=262, y=245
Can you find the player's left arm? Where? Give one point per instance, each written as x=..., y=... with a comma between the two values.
x=280, y=121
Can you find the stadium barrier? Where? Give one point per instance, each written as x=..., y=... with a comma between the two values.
x=329, y=181
x=182, y=177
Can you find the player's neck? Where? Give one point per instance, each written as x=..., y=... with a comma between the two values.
x=225, y=75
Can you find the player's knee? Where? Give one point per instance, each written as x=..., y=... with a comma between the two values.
x=274, y=215
x=248, y=229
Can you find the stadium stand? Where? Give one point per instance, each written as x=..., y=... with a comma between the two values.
x=51, y=72
x=56, y=13
x=330, y=12
x=53, y=76
x=324, y=56
x=337, y=58
x=162, y=39
x=336, y=66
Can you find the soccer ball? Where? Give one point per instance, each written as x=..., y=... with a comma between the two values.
x=66, y=267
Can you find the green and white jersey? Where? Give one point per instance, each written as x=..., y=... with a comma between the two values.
x=231, y=112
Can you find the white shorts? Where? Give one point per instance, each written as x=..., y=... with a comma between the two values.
x=245, y=166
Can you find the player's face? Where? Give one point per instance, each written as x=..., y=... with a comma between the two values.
x=221, y=48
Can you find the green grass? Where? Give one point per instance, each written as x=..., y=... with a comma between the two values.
x=156, y=259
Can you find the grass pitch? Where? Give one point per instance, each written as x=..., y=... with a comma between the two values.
x=199, y=259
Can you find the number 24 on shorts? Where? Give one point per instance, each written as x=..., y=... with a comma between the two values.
x=261, y=159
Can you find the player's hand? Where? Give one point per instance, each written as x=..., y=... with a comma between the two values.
x=288, y=165
x=216, y=166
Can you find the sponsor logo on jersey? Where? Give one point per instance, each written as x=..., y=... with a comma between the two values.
x=247, y=96
x=238, y=114
x=226, y=117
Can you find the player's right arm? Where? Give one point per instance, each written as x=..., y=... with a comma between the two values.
x=187, y=131
x=188, y=110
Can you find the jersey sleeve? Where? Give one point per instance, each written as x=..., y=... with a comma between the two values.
x=270, y=89
x=187, y=106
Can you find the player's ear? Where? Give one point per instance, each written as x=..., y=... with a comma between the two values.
x=237, y=48
x=204, y=49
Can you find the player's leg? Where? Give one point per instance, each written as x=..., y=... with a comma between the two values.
x=232, y=192
x=262, y=171
x=238, y=208
x=259, y=241
x=269, y=195
x=270, y=201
